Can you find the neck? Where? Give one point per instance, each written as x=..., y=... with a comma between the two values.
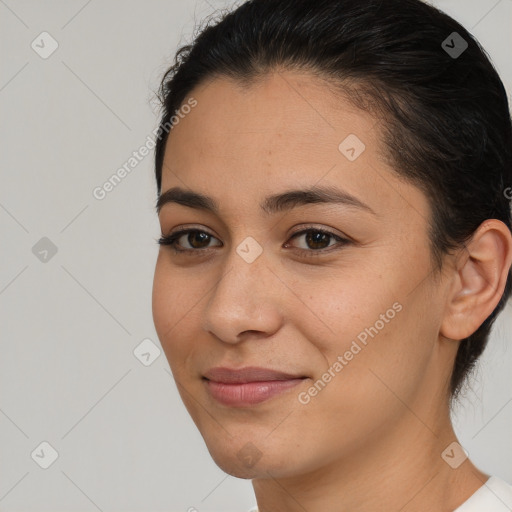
x=400, y=468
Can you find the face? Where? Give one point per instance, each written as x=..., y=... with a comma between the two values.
x=336, y=294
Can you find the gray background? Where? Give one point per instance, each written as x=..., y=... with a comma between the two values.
x=70, y=324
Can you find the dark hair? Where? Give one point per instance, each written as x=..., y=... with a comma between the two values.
x=445, y=118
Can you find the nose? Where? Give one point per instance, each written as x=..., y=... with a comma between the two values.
x=244, y=300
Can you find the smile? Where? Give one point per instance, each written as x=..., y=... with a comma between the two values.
x=248, y=393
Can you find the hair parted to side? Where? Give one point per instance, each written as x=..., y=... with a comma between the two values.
x=445, y=121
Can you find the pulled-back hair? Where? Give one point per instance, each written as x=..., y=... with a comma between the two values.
x=444, y=117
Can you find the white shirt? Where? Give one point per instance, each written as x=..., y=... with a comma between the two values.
x=494, y=496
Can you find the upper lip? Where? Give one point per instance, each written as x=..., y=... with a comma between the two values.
x=247, y=374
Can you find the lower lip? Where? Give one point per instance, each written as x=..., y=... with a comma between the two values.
x=248, y=393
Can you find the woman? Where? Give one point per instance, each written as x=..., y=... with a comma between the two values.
x=336, y=244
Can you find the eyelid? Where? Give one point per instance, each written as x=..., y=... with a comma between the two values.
x=190, y=227
x=300, y=229
x=342, y=240
x=313, y=227
x=183, y=230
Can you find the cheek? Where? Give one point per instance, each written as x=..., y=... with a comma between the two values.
x=162, y=300
x=361, y=394
x=373, y=339
x=175, y=314
x=334, y=309
x=174, y=308
x=377, y=364
x=174, y=297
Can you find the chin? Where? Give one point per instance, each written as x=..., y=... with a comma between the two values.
x=242, y=457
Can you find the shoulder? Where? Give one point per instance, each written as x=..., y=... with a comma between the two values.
x=494, y=496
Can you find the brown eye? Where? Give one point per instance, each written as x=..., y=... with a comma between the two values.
x=318, y=240
x=197, y=239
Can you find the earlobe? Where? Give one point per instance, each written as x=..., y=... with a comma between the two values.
x=479, y=281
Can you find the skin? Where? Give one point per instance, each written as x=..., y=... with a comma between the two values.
x=372, y=438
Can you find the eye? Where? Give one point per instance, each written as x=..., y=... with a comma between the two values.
x=317, y=241
x=196, y=238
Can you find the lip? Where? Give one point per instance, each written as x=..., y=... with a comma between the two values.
x=247, y=374
x=248, y=386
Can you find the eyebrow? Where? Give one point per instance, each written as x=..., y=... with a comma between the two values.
x=271, y=205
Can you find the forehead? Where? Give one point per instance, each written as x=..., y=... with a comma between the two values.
x=242, y=142
x=290, y=105
x=283, y=117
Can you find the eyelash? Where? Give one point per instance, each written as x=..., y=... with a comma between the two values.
x=171, y=240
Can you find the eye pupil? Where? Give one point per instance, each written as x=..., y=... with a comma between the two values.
x=317, y=237
x=198, y=235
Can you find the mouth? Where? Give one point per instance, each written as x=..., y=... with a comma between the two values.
x=248, y=386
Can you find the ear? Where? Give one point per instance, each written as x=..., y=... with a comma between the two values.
x=479, y=279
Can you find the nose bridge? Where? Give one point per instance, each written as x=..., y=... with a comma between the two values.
x=242, y=299
x=247, y=266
